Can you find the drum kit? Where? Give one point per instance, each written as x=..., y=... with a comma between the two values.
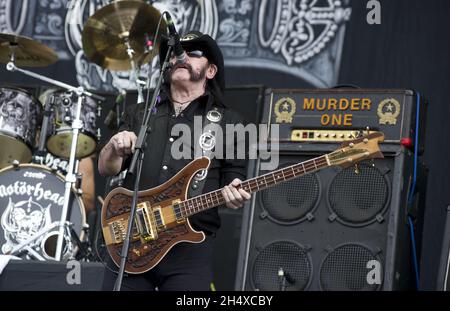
x=42, y=215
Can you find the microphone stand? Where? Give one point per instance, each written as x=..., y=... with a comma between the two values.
x=136, y=165
x=281, y=280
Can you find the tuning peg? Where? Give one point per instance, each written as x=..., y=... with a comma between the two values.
x=372, y=163
x=357, y=171
x=367, y=131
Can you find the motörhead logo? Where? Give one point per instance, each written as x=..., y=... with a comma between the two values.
x=36, y=191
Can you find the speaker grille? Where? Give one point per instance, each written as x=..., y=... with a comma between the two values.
x=289, y=256
x=291, y=201
x=345, y=269
x=357, y=199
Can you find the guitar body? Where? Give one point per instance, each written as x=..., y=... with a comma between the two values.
x=144, y=254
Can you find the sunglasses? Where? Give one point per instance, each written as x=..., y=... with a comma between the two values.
x=195, y=53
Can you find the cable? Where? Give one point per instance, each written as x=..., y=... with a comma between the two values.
x=103, y=258
x=446, y=271
x=412, y=191
x=416, y=150
x=413, y=244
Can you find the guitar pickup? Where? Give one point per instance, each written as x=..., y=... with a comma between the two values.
x=159, y=219
x=176, y=205
x=146, y=222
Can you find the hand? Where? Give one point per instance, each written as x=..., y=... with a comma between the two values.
x=123, y=143
x=235, y=198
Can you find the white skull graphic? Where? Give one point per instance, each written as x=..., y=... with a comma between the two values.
x=23, y=220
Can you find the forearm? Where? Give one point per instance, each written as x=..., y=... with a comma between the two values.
x=109, y=163
x=86, y=169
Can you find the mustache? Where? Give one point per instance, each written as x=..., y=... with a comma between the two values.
x=180, y=65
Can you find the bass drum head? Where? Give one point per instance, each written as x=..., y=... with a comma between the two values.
x=20, y=115
x=32, y=198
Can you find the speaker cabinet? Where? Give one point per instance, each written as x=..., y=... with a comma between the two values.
x=335, y=229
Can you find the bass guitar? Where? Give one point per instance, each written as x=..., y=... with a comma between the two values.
x=162, y=212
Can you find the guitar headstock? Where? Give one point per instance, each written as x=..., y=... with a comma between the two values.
x=360, y=149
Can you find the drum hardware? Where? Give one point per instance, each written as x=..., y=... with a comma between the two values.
x=99, y=114
x=85, y=248
x=25, y=52
x=13, y=45
x=135, y=72
x=11, y=66
x=116, y=38
x=112, y=119
x=106, y=31
x=99, y=134
x=46, y=246
x=78, y=183
x=48, y=108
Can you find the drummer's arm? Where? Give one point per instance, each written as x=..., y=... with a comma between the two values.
x=86, y=168
x=111, y=157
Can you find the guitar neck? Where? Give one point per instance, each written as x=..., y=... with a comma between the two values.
x=214, y=198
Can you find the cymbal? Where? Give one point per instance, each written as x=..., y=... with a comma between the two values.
x=105, y=33
x=28, y=52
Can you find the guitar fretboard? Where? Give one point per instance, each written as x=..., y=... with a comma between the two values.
x=214, y=198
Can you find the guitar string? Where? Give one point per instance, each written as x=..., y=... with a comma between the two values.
x=197, y=204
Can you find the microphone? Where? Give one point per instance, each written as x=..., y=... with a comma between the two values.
x=112, y=114
x=178, y=51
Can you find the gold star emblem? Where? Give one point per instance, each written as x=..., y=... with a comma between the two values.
x=284, y=110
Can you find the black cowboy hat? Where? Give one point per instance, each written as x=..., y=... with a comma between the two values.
x=195, y=40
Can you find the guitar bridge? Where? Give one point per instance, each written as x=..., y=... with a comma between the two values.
x=118, y=232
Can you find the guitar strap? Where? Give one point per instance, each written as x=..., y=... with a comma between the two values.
x=206, y=143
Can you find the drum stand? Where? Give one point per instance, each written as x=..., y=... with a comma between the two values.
x=71, y=178
x=135, y=71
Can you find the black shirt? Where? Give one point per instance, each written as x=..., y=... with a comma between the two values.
x=159, y=164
